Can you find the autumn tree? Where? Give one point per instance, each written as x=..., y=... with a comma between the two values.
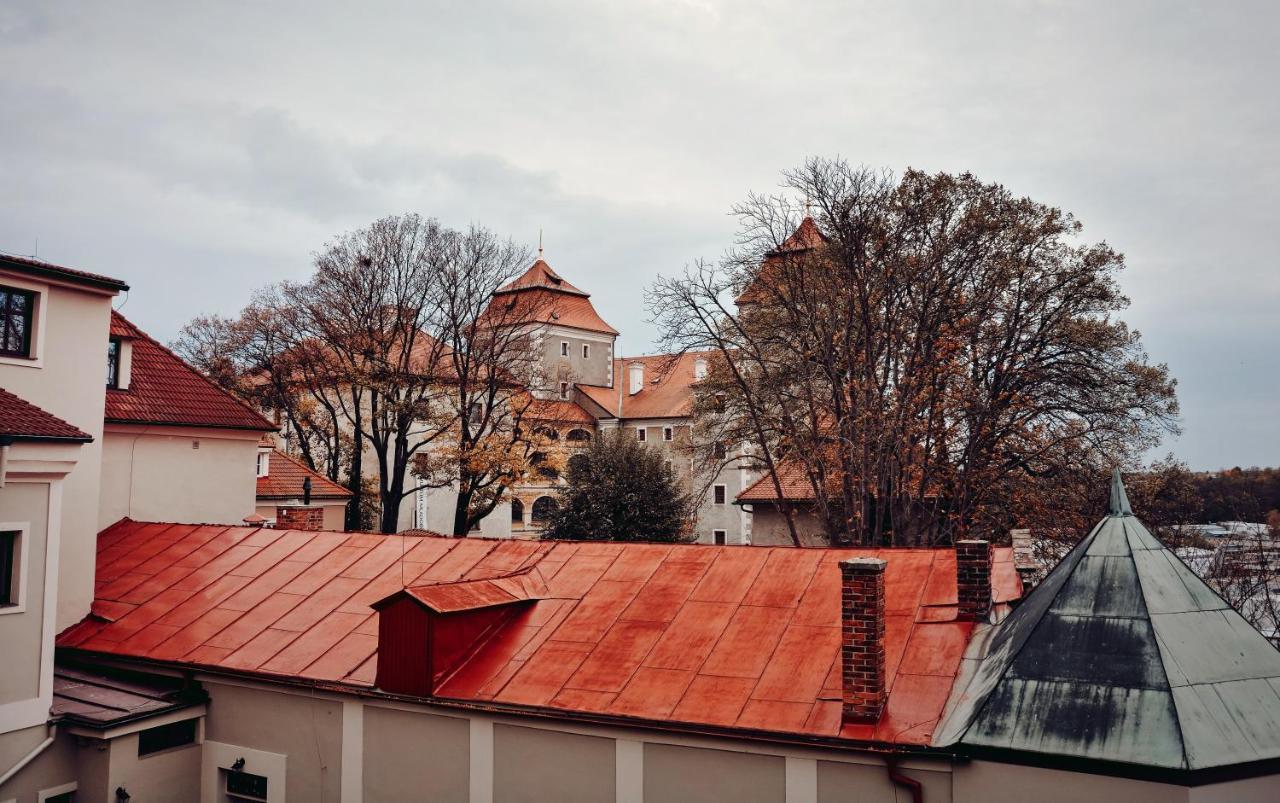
x=618, y=489
x=925, y=347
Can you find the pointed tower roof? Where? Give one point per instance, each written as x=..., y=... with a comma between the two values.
x=806, y=237
x=1124, y=661
x=540, y=275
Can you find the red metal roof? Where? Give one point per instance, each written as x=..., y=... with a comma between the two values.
x=284, y=479
x=165, y=390
x=22, y=420
x=672, y=634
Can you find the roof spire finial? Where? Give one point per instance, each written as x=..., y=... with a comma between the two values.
x=1119, y=505
x=808, y=205
x=539, y=243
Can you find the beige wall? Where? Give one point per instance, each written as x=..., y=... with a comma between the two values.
x=69, y=381
x=334, y=512
x=694, y=775
x=307, y=730
x=595, y=370
x=154, y=474
x=409, y=755
x=58, y=764
x=869, y=783
x=769, y=528
x=989, y=782
x=22, y=627
x=532, y=765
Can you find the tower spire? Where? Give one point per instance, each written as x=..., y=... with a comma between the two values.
x=1119, y=499
x=539, y=243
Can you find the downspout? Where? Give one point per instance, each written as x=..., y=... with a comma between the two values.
x=898, y=779
x=29, y=757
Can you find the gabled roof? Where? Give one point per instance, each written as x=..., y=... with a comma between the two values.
x=667, y=390
x=165, y=390
x=806, y=237
x=681, y=636
x=48, y=270
x=541, y=275
x=95, y=698
x=557, y=411
x=794, y=479
x=285, y=475
x=22, y=420
x=525, y=585
x=1123, y=656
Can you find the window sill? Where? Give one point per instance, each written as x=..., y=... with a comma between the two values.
x=24, y=362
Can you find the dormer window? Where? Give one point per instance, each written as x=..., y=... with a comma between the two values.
x=16, y=308
x=699, y=369
x=113, y=363
x=264, y=463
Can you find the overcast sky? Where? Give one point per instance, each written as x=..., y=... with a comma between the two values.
x=199, y=153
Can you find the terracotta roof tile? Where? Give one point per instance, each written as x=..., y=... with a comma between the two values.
x=737, y=638
x=540, y=274
x=540, y=294
x=285, y=475
x=667, y=391
x=165, y=390
x=22, y=420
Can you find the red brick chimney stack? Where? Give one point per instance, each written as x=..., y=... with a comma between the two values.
x=299, y=518
x=973, y=578
x=862, y=639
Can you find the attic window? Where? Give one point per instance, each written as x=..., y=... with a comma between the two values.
x=113, y=362
x=264, y=463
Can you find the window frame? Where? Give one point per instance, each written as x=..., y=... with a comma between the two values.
x=17, y=535
x=586, y=351
x=641, y=435
x=113, y=362
x=719, y=537
x=564, y=348
x=564, y=390
x=192, y=722
x=719, y=494
x=668, y=434
x=30, y=320
x=264, y=463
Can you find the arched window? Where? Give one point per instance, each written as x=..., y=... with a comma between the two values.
x=517, y=511
x=538, y=460
x=578, y=436
x=543, y=508
x=547, y=432
x=578, y=463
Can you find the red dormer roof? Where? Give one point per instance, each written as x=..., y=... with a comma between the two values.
x=165, y=390
x=22, y=420
x=680, y=636
x=285, y=476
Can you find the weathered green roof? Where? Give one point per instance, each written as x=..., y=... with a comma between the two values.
x=1122, y=655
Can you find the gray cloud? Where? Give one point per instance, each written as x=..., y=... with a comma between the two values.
x=203, y=150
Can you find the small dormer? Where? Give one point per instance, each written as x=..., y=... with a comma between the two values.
x=635, y=381
x=119, y=361
x=699, y=369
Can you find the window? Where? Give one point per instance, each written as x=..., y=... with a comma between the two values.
x=564, y=348
x=719, y=451
x=543, y=508
x=475, y=412
x=668, y=433
x=517, y=511
x=64, y=797
x=578, y=436
x=113, y=363
x=264, y=463
x=586, y=351
x=66, y=793
x=564, y=390
x=718, y=536
x=640, y=434
x=9, y=564
x=718, y=494
x=15, y=321
x=165, y=737
x=246, y=786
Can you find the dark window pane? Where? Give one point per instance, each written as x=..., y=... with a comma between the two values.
x=113, y=363
x=15, y=321
x=8, y=564
x=246, y=785
x=175, y=734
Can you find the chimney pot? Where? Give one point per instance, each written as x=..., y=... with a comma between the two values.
x=862, y=622
x=973, y=578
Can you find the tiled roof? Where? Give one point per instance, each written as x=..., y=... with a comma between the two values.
x=165, y=390
x=557, y=411
x=22, y=420
x=807, y=236
x=540, y=274
x=795, y=485
x=667, y=391
x=540, y=295
x=49, y=270
x=673, y=635
x=284, y=479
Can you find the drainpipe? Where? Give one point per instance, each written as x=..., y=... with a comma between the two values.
x=898, y=779
x=40, y=748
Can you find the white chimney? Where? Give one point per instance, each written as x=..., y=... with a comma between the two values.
x=699, y=369
x=637, y=378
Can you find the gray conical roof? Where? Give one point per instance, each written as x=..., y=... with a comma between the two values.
x=1122, y=655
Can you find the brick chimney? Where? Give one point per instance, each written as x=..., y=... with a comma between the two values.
x=862, y=639
x=973, y=578
x=295, y=517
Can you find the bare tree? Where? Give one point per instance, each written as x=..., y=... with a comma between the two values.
x=922, y=347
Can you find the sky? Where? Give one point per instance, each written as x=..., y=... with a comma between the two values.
x=200, y=151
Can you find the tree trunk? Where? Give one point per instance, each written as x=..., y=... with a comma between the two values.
x=355, y=480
